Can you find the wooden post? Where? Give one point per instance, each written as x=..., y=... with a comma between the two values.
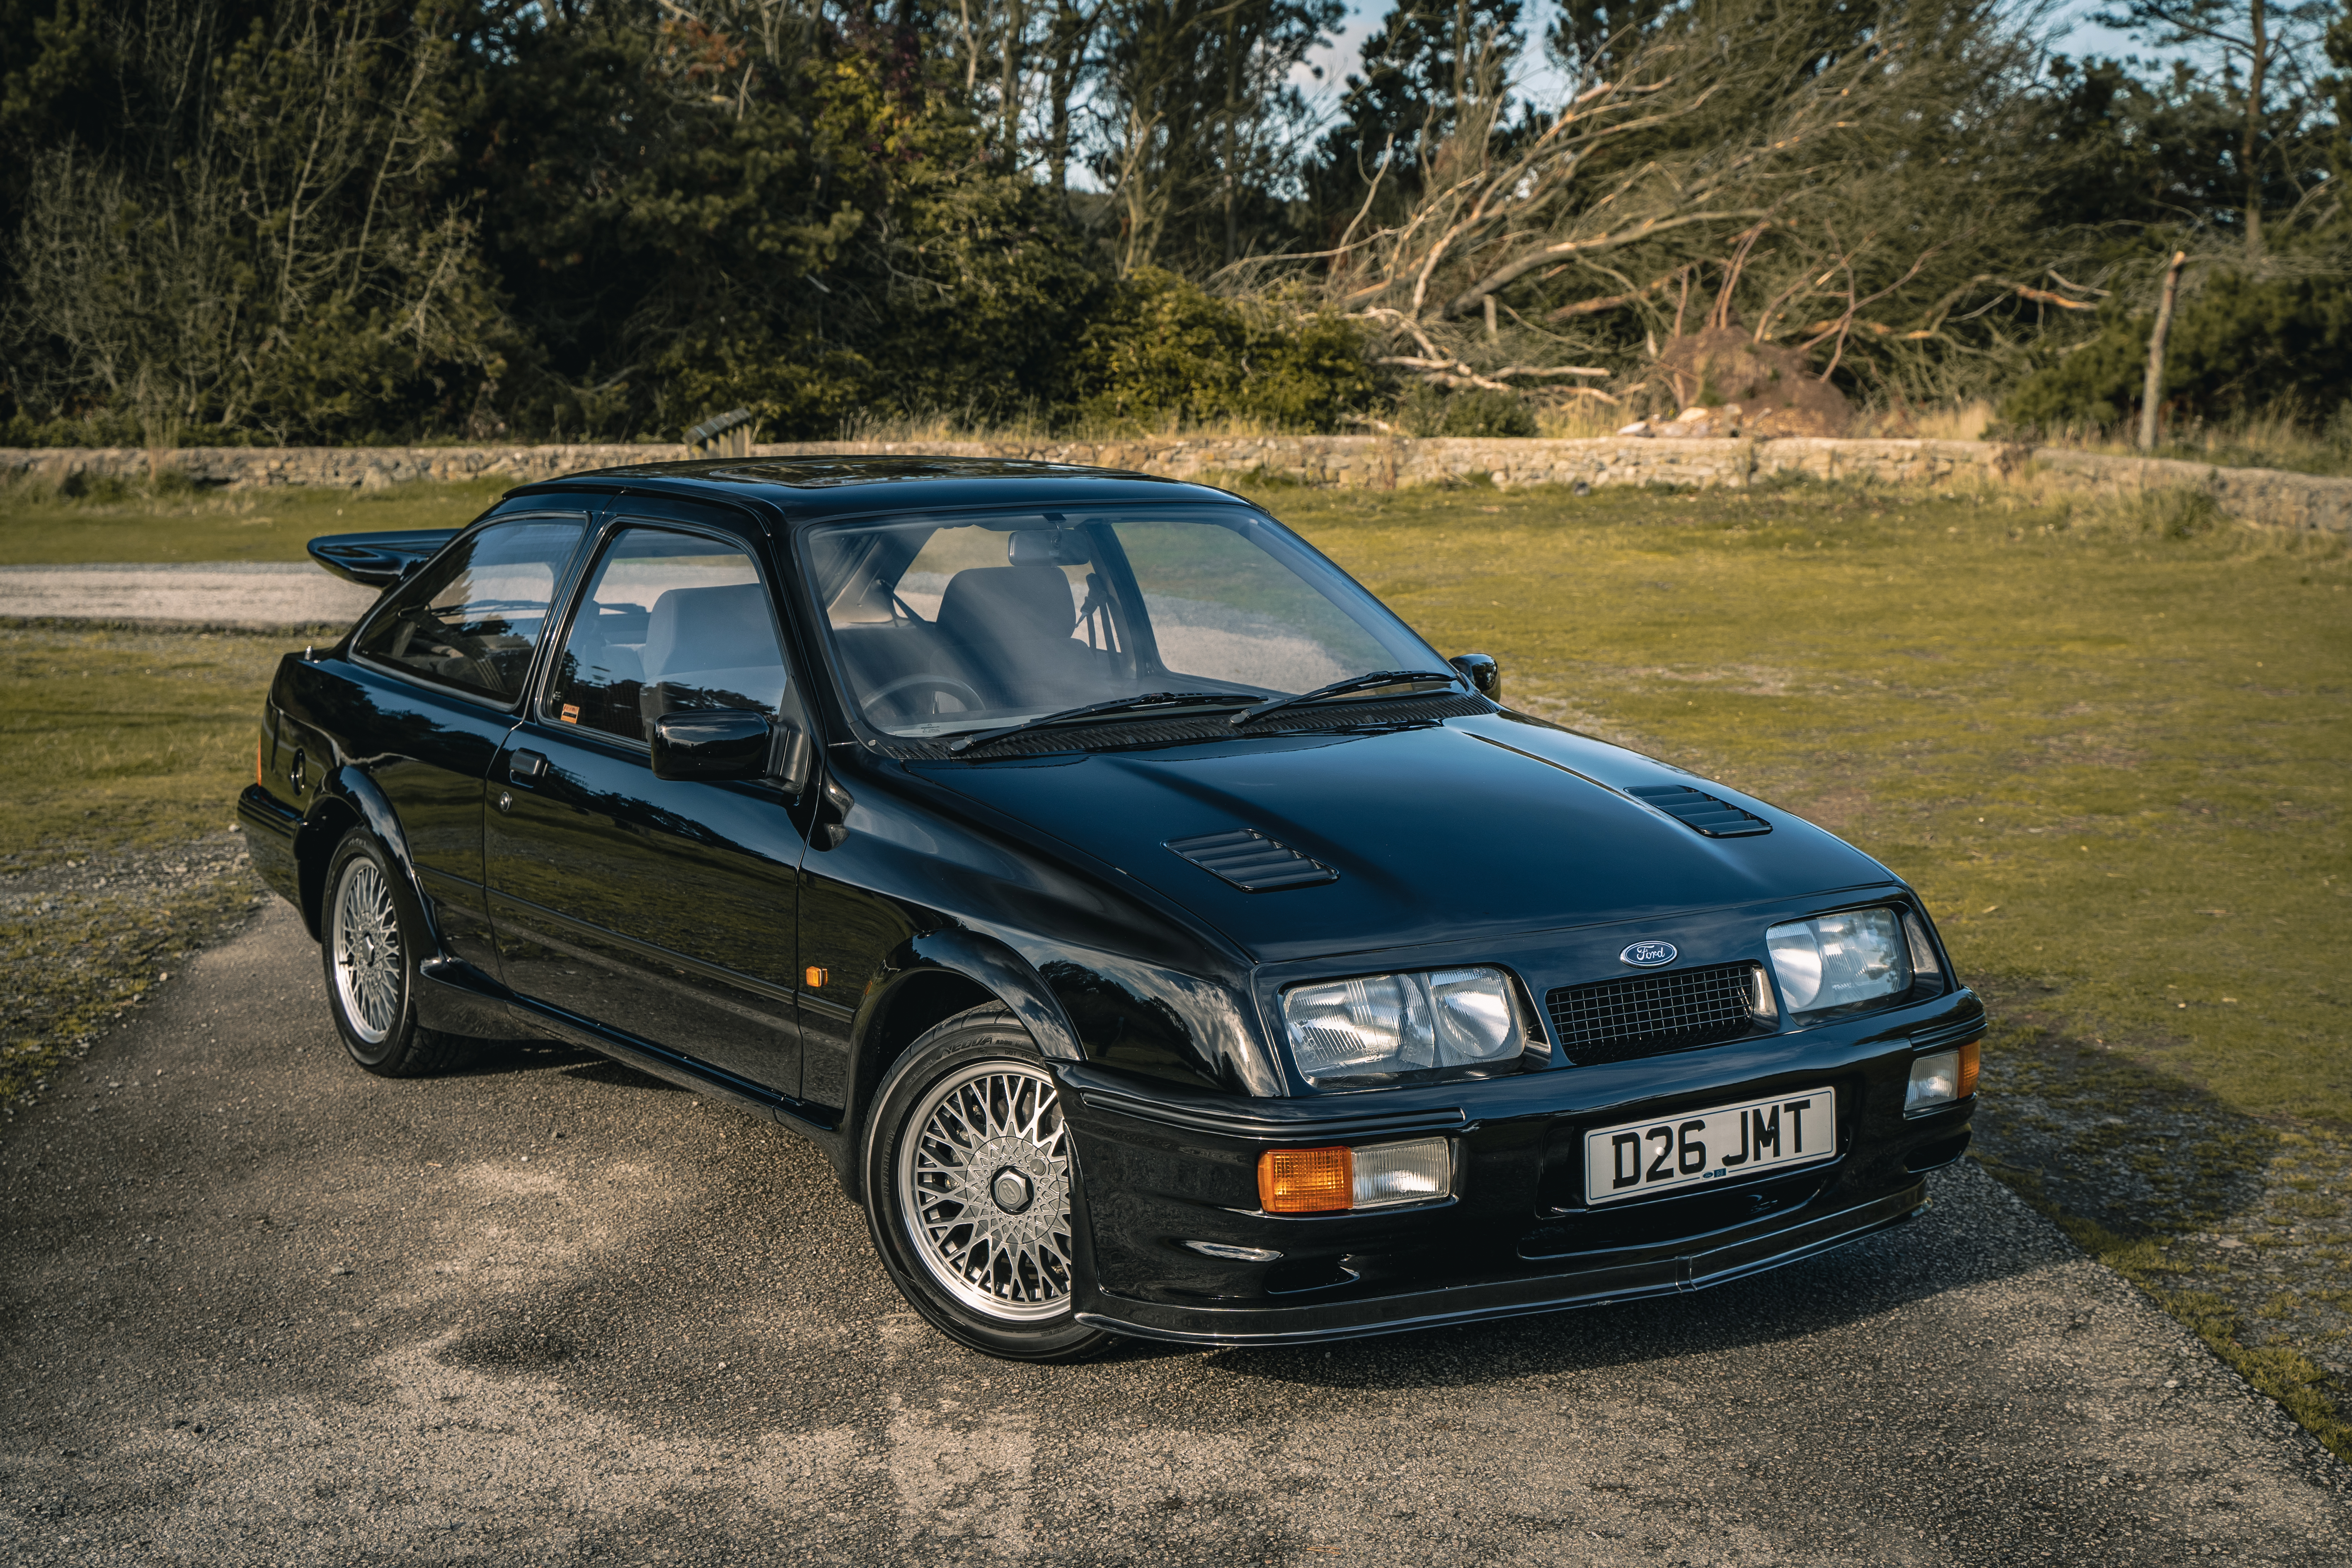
x=1492, y=332
x=2154, y=393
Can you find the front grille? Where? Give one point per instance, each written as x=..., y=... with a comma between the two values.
x=1652, y=1015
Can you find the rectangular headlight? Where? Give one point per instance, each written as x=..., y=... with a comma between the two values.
x=1376, y=1028
x=1835, y=960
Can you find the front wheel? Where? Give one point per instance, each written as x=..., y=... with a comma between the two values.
x=970, y=1187
x=370, y=939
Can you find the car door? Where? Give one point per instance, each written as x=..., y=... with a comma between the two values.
x=449, y=653
x=661, y=907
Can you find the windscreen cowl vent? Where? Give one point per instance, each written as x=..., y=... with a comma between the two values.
x=1700, y=811
x=1252, y=862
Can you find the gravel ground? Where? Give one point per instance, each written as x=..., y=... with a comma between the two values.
x=261, y=596
x=84, y=937
x=257, y=1307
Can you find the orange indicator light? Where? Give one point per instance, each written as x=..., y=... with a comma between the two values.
x=1971, y=1058
x=815, y=977
x=1307, y=1180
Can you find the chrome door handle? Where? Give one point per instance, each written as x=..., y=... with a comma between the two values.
x=526, y=767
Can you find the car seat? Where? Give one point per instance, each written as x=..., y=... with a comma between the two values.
x=1012, y=626
x=720, y=641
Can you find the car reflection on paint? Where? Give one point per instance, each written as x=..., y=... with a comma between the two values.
x=1156, y=935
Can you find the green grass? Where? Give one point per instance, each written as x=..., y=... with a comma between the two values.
x=38, y=525
x=119, y=739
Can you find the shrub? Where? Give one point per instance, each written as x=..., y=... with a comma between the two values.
x=1477, y=411
x=1164, y=351
x=2236, y=348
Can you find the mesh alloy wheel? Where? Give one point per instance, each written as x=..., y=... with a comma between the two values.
x=984, y=1179
x=367, y=952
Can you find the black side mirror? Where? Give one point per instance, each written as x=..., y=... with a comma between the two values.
x=723, y=743
x=1484, y=673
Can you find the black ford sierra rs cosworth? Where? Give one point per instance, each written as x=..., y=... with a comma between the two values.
x=1159, y=937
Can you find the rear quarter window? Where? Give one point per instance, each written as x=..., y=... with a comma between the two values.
x=472, y=619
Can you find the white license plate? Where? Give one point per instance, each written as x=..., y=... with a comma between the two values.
x=1720, y=1144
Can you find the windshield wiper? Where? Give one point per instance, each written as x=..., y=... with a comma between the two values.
x=1116, y=705
x=1340, y=689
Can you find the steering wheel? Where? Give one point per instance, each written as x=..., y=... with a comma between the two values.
x=939, y=685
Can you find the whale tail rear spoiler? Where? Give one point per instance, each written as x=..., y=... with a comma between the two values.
x=379, y=560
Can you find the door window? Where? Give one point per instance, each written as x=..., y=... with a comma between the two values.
x=473, y=617
x=670, y=622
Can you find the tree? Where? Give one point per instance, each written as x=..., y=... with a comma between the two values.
x=1427, y=64
x=239, y=225
x=1854, y=181
x=2260, y=43
x=1200, y=125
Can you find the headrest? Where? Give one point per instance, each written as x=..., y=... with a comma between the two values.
x=995, y=604
x=709, y=628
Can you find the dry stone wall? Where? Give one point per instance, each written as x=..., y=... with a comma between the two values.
x=1362, y=462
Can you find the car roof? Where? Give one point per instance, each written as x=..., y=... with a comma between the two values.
x=831, y=487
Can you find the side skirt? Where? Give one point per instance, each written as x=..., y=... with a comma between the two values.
x=460, y=999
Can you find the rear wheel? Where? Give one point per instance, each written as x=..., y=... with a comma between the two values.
x=972, y=1192
x=370, y=936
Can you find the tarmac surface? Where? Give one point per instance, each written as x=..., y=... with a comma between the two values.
x=262, y=595
x=256, y=1306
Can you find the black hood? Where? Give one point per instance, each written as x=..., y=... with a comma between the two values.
x=1476, y=827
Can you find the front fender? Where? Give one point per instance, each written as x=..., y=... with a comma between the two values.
x=1003, y=974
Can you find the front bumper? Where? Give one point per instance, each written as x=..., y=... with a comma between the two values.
x=1160, y=1171
x=1596, y=1283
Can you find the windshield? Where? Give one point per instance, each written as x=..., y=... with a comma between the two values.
x=949, y=625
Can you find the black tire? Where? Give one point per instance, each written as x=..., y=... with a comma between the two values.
x=1011, y=1299
x=370, y=933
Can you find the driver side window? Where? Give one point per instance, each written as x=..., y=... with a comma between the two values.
x=670, y=621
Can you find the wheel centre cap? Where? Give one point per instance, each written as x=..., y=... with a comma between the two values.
x=1012, y=1191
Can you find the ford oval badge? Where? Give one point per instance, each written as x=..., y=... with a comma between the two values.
x=1649, y=954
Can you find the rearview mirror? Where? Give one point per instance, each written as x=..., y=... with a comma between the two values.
x=1484, y=673
x=721, y=743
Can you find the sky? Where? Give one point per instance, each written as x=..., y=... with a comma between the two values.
x=2076, y=35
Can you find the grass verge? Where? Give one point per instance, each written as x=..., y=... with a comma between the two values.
x=120, y=741
x=42, y=525
x=119, y=755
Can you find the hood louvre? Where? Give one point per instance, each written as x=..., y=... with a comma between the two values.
x=1701, y=812
x=1252, y=862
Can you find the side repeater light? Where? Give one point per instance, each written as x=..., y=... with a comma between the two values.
x=1340, y=1180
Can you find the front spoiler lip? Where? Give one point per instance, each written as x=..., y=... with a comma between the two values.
x=1408, y=1312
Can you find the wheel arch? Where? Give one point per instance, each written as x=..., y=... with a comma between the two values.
x=348, y=798
x=934, y=977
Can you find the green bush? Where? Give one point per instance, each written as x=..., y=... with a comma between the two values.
x=1479, y=411
x=2237, y=348
x=1164, y=351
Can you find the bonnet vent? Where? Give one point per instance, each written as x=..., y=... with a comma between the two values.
x=1252, y=862
x=1699, y=810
